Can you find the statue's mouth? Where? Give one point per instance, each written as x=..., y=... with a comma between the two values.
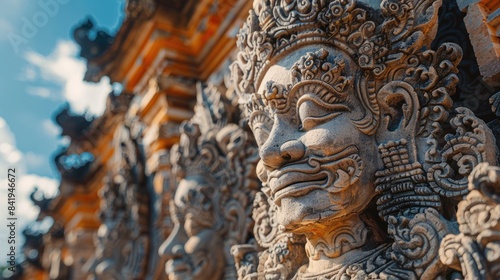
x=296, y=184
x=333, y=173
x=178, y=276
x=275, y=273
x=177, y=270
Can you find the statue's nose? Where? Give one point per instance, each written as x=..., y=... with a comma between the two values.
x=275, y=153
x=178, y=251
x=173, y=247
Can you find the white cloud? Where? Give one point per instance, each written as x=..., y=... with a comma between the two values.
x=11, y=157
x=9, y=154
x=65, y=141
x=51, y=128
x=63, y=68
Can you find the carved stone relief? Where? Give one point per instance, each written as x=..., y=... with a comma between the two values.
x=215, y=162
x=80, y=249
x=276, y=254
x=44, y=251
x=53, y=254
x=122, y=243
x=362, y=154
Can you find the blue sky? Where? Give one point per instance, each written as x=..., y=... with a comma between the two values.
x=39, y=71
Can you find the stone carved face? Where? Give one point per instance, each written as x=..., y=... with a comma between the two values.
x=195, y=248
x=318, y=165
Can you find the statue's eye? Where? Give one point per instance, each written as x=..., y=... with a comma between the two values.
x=261, y=126
x=313, y=111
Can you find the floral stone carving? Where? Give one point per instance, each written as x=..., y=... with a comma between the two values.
x=215, y=162
x=361, y=152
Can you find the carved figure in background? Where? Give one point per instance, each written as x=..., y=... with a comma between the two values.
x=122, y=239
x=215, y=161
x=351, y=112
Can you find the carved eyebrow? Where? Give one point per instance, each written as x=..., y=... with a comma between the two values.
x=324, y=91
x=328, y=106
x=282, y=98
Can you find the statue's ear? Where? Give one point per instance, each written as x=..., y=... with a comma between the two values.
x=236, y=219
x=399, y=108
x=237, y=228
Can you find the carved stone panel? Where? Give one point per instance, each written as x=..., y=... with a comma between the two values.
x=123, y=239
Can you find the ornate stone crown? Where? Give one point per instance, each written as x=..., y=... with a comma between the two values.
x=210, y=141
x=377, y=40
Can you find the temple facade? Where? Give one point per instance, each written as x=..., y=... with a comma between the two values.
x=282, y=139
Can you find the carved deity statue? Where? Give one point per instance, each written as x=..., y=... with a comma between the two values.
x=360, y=151
x=215, y=162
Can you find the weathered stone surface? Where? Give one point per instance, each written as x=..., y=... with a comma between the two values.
x=361, y=152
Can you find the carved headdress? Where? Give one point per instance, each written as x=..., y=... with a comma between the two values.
x=377, y=40
x=213, y=144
